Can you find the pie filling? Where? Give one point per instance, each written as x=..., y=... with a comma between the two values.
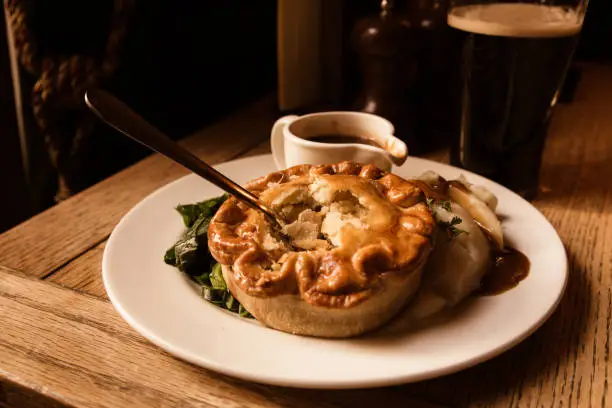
x=345, y=233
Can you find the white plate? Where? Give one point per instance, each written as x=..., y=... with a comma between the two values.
x=167, y=309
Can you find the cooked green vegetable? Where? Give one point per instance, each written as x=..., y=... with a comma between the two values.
x=216, y=278
x=170, y=257
x=190, y=254
x=192, y=212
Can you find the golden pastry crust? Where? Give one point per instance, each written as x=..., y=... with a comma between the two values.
x=385, y=229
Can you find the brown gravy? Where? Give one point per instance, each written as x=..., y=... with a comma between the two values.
x=437, y=192
x=338, y=138
x=510, y=266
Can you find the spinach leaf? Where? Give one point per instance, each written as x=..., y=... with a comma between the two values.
x=243, y=312
x=190, y=255
x=170, y=257
x=215, y=291
x=216, y=278
x=190, y=213
x=207, y=208
x=213, y=295
x=231, y=303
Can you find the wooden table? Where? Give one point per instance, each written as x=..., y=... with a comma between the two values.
x=63, y=344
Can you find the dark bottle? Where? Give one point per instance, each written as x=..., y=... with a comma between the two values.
x=388, y=69
x=433, y=94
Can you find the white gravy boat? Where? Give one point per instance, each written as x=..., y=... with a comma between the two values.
x=291, y=145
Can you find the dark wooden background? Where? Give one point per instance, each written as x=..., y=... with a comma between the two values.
x=184, y=65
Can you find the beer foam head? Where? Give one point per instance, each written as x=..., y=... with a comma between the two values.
x=516, y=20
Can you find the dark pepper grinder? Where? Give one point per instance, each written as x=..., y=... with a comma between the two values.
x=436, y=59
x=388, y=70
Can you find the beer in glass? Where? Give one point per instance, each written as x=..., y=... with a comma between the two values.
x=513, y=59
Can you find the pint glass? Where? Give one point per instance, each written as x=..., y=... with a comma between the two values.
x=512, y=60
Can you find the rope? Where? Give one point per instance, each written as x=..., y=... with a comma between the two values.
x=57, y=96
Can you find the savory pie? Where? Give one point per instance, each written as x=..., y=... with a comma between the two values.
x=348, y=259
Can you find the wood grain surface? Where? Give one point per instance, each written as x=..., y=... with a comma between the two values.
x=66, y=345
x=84, y=273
